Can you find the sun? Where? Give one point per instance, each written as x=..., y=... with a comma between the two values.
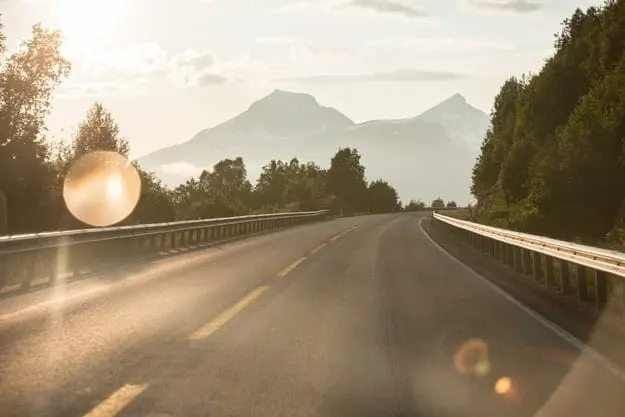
x=87, y=25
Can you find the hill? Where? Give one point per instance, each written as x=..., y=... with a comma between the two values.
x=425, y=156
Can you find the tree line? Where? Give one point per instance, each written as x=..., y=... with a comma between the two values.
x=33, y=168
x=553, y=161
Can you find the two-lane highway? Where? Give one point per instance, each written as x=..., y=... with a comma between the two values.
x=359, y=317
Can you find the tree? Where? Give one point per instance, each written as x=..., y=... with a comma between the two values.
x=438, y=203
x=99, y=132
x=346, y=180
x=27, y=80
x=415, y=205
x=156, y=203
x=451, y=204
x=223, y=192
x=382, y=197
x=553, y=162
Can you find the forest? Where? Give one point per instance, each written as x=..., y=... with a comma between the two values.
x=33, y=167
x=553, y=161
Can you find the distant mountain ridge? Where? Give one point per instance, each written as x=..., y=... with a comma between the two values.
x=440, y=144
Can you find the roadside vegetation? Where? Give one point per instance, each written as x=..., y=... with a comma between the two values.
x=553, y=162
x=33, y=167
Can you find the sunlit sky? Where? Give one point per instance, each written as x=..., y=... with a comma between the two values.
x=169, y=68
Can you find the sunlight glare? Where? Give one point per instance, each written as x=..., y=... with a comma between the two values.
x=89, y=24
x=115, y=188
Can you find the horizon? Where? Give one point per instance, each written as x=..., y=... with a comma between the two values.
x=183, y=66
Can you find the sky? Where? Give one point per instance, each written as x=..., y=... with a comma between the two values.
x=168, y=68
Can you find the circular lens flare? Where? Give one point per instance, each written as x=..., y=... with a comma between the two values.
x=472, y=358
x=503, y=386
x=101, y=188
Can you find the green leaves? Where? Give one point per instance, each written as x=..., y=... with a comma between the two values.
x=554, y=161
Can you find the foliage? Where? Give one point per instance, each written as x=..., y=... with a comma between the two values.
x=98, y=132
x=553, y=161
x=438, y=203
x=27, y=79
x=346, y=180
x=451, y=204
x=415, y=205
x=32, y=169
x=382, y=197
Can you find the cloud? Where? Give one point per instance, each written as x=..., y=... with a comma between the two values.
x=402, y=75
x=198, y=61
x=197, y=69
x=386, y=7
x=181, y=168
x=438, y=44
x=208, y=79
x=389, y=6
x=135, y=67
x=515, y=6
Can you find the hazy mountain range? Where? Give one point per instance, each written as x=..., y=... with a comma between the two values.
x=424, y=157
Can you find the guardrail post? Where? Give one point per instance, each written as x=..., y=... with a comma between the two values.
x=518, y=260
x=550, y=280
x=537, y=263
x=565, y=278
x=172, y=241
x=601, y=289
x=582, y=284
x=527, y=262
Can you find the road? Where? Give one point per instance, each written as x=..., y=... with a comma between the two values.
x=361, y=316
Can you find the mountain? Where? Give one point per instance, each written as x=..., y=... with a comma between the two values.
x=423, y=157
x=461, y=121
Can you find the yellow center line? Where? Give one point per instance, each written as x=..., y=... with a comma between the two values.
x=225, y=316
x=336, y=237
x=318, y=248
x=291, y=267
x=117, y=401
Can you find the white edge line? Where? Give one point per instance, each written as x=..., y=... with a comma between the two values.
x=574, y=341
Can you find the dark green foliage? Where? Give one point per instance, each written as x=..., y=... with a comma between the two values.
x=382, y=198
x=346, y=180
x=553, y=162
x=451, y=204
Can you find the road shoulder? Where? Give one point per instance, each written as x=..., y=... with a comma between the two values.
x=584, y=324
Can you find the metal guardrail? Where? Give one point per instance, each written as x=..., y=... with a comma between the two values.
x=589, y=274
x=46, y=257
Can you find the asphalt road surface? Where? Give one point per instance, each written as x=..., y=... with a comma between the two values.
x=354, y=317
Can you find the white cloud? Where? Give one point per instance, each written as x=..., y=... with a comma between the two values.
x=389, y=7
x=394, y=8
x=401, y=75
x=513, y=6
x=185, y=169
x=129, y=70
x=439, y=44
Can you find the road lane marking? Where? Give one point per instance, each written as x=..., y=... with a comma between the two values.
x=117, y=401
x=226, y=315
x=318, y=248
x=607, y=364
x=336, y=237
x=291, y=267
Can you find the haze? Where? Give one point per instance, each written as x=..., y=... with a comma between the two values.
x=169, y=69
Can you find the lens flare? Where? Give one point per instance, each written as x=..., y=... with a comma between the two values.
x=472, y=358
x=102, y=188
x=503, y=386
